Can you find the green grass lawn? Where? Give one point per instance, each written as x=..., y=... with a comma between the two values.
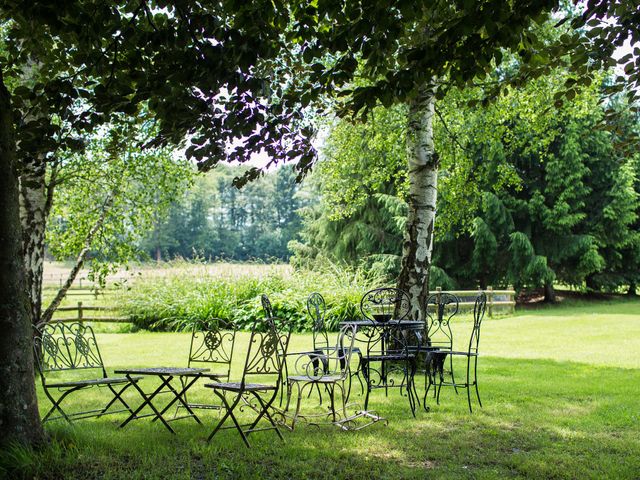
x=560, y=388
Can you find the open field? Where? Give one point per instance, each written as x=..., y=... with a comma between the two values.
x=53, y=271
x=560, y=387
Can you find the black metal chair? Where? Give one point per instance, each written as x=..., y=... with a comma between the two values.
x=329, y=367
x=440, y=310
x=387, y=343
x=265, y=359
x=471, y=356
x=68, y=360
x=212, y=343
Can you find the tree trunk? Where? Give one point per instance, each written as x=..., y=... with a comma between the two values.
x=549, y=293
x=632, y=289
x=19, y=416
x=33, y=216
x=423, y=182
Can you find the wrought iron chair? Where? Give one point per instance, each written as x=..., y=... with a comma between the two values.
x=440, y=310
x=334, y=373
x=264, y=360
x=212, y=343
x=317, y=308
x=70, y=353
x=471, y=355
x=387, y=343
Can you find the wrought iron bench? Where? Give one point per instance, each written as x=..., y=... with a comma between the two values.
x=68, y=360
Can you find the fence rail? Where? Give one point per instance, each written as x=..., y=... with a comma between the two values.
x=80, y=310
x=504, y=300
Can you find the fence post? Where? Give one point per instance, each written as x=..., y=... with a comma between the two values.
x=512, y=298
x=490, y=295
x=80, y=312
x=438, y=294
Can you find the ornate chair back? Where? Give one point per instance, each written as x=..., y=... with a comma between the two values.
x=317, y=310
x=212, y=343
x=331, y=362
x=478, y=314
x=441, y=308
x=387, y=305
x=60, y=346
x=266, y=353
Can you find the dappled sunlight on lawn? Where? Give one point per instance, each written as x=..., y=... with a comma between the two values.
x=560, y=400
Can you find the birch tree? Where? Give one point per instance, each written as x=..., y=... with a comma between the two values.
x=366, y=53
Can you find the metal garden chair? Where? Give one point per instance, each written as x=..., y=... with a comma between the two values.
x=212, y=344
x=316, y=308
x=440, y=310
x=68, y=360
x=388, y=343
x=333, y=374
x=471, y=356
x=264, y=361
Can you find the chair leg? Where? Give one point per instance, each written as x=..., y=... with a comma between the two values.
x=344, y=400
x=469, y=385
x=441, y=374
x=475, y=380
x=365, y=373
x=332, y=392
x=56, y=404
x=453, y=378
x=265, y=413
x=229, y=413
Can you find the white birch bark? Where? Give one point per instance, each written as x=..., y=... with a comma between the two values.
x=35, y=202
x=423, y=192
x=33, y=217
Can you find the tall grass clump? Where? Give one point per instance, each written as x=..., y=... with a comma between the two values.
x=179, y=298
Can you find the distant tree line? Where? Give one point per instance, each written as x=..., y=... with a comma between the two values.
x=215, y=220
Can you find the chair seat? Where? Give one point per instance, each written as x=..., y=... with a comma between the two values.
x=388, y=356
x=307, y=378
x=449, y=352
x=209, y=375
x=238, y=387
x=96, y=381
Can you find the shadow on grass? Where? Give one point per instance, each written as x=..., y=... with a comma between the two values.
x=542, y=419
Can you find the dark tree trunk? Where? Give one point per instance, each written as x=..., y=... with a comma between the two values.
x=591, y=284
x=549, y=293
x=19, y=416
x=632, y=289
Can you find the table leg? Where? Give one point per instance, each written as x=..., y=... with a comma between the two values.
x=147, y=401
x=178, y=397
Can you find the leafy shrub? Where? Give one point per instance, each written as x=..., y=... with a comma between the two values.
x=184, y=296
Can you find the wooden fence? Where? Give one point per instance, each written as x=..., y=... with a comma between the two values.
x=81, y=314
x=498, y=301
